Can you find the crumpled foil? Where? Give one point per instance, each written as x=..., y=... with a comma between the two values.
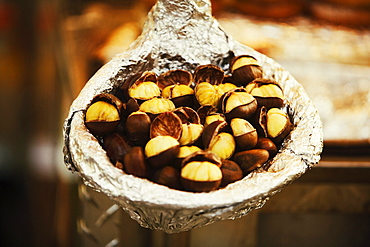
x=184, y=34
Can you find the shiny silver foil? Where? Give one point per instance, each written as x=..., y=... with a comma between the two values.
x=183, y=34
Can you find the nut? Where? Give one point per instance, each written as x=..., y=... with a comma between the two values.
x=237, y=103
x=137, y=127
x=145, y=87
x=116, y=146
x=278, y=125
x=245, y=134
x=190, y=133
x=223, y=145
x=201, y=176
x=210, y=73
x=208, y=94
x=174, y=77
x=134, y=162
x=161, y=150
x=166, y=124
x=231, y=172
x=104, y=114
x=250, y=160
x=268, y=93
x=214, y=117
x=211, y=131
x=226, y=87
x=245, y=69
x=157, y=106
x=266, y=143
x=181, y=95
x=168, y=176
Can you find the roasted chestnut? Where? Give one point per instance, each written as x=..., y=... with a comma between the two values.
x=250, y=160
x=231, y=172
x=268, y=93
x=137, y=127
x=103, y=114
x=278, y=125
x=245, y=69
x=157, y=106
x=245, y=134
x=161, y=150
x=266, y=143
x=168, y=176
x=237, y=103
x=116, y=146
x=201, y=172
x=145, y=87
x=208, y=94
x=134, y=162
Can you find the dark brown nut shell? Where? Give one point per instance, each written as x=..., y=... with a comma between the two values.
x=102, y=128
x=202, y=155
x=187, y=115
x=259, y=121
x=231, y=172
x=208, y=73
x=116, y=146
x=199, y=186
x=266, y=143
x=137, y=128
x=268, y=93
x=244, y=74
x=132, y=105
x=174, y=77
x=134, y=162
x=168, y=176
x=250, y=160
x=166, y=124
x=278, y=125
x=185, y=100
x=211, y=131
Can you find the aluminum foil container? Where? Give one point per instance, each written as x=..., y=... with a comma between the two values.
x=184, y=34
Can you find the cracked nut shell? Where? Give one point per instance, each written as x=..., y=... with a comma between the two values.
x=245, y=69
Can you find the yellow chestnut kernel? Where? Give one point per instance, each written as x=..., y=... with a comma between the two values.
x=277, y=121
x=241, y=126
x=190, y=133
x=157, y=106
x=270, y=90
x=187, y=150
x=208, y=94
x=102, y=111
x=145, y=90
x=225, y=87
x=212, y=118
x=159, y=144
x=201, y=171
x=243, y=61
x=223, y=145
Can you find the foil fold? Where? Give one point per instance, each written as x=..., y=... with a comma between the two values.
x=183, y=34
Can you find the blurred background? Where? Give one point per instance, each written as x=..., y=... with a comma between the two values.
x=48, y=51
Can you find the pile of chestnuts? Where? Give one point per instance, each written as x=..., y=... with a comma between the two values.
x=195, y=131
